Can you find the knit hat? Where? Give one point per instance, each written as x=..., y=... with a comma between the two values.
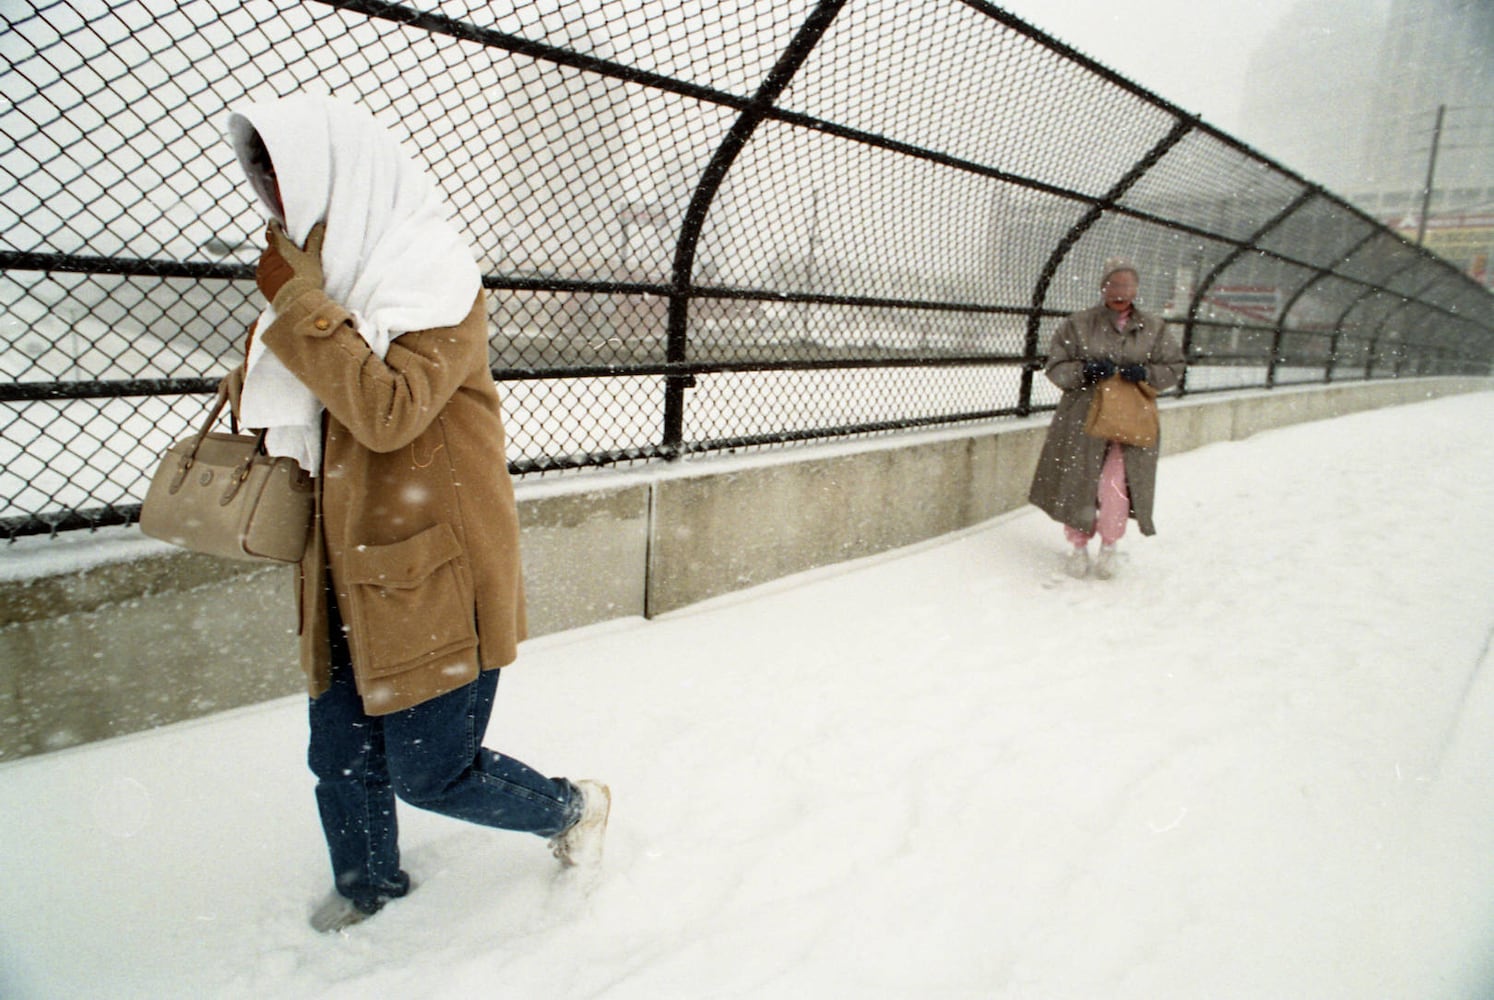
x=1113, y=264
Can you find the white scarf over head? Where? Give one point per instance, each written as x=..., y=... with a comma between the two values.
x=391, y=256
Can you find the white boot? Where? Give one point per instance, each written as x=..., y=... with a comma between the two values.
x=1076, y=563
x=582, y=843
x=1105, y=564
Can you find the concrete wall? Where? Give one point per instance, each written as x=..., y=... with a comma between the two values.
x=121, y=646
x=718, y=528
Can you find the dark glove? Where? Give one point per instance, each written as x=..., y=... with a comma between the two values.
x=1094, y=371
x=1134, y=373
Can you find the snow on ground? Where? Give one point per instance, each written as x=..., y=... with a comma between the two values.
x=1258, y=764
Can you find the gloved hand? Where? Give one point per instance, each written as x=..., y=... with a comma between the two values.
x=1094, y=371
x=273, y=271
x=1134, y=373
x=285, y=270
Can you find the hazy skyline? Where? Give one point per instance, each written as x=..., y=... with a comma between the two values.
x=1195, y=55
x=1343, y=92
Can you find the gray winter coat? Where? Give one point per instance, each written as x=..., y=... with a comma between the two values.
x=1068, y=472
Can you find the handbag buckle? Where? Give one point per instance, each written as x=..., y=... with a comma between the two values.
x=183, y=467
x=237, y=479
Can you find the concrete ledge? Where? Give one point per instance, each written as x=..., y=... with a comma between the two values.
x=113, y=646
x=146, y=660
x=585, y=554
x=717, y=531
x=1198, y=420
x=120, y=647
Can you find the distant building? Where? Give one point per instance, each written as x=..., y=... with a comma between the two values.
x=1436, y=53
x=1347, y=94
x=1309, y=89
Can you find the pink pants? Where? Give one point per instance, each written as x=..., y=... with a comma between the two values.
x=1114, y=502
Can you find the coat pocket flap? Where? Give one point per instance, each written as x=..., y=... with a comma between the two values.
x=403, y=564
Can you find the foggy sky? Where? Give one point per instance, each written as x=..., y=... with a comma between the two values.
x=1304, y=82
x=1191, y=53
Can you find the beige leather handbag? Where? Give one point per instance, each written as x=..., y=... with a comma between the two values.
x=222, y=495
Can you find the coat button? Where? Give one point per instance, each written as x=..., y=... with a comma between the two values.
x=323, y=323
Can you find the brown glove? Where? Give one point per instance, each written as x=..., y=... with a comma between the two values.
x=305, y=266
x=273, y=270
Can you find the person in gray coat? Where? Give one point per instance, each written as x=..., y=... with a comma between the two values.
x=1089, y=485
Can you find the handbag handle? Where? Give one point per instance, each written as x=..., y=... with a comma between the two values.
x=189, y=457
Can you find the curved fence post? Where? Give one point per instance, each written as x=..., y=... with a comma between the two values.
x=1374, y=341
x=677, y=331
x=1250, y=243
x=1096, y=211
x=1406, y=302
x=1319, y=273
x=1338, y=330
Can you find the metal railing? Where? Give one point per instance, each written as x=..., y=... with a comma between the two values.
x=703, y=226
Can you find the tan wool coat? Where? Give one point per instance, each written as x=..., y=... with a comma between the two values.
x=1066, y=484
x=416, y=517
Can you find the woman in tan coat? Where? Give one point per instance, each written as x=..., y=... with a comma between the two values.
x=1089, y=485
x=370, y=368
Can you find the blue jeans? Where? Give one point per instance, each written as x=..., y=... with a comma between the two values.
x=431, y=756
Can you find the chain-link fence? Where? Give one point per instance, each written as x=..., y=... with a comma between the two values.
x=704, y=225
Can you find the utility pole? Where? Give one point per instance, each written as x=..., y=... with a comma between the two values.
x=811, y=266
x=1426, y=192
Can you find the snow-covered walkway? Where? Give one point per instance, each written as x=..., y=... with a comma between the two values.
x=1257, y=764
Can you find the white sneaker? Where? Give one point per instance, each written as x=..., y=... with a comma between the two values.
x=1076, y=563
x=582, y=843
x=1105, y=564
x=336, y=913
